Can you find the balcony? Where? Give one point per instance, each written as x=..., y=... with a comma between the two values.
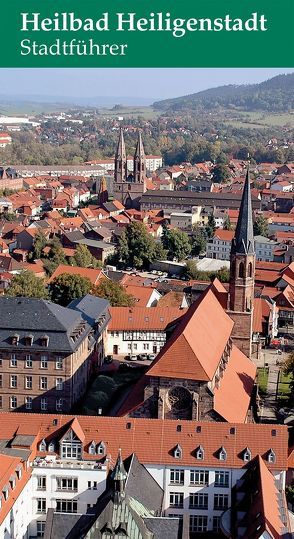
x=68, y=464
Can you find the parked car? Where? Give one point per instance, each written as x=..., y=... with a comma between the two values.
x=151, y=357
x=143, y=357
x=108, y=359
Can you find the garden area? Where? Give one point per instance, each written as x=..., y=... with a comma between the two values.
x=108, y=389
x=262, y=379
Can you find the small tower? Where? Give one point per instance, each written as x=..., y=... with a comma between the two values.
x=242, y=270
x=102, y=192
x=119, y=476
x=139, y=161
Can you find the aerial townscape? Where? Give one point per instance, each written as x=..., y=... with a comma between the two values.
x=147, y=317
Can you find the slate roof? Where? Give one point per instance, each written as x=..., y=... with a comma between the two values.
x=24, y=316
x=243, y=242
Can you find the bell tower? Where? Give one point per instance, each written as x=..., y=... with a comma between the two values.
x=120, y=169
x=139, y=161
x=242, y=271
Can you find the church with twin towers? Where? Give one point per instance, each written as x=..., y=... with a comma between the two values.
x=128, y=187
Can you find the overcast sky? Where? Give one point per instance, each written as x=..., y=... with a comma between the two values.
x=146, y=83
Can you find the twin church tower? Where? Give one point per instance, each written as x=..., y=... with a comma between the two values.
x=129, y=187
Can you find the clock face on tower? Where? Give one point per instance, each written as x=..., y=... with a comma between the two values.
x=179, y=399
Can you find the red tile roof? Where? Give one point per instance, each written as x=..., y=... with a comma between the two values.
x=142, y=318
x=194, y=350
x=224, y=235
x=142, y=294
x=235, y=387
x=94, y=275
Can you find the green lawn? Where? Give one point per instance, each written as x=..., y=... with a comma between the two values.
x=284, y=384
x=262, y=378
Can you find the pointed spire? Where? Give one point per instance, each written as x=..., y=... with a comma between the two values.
x=139, y=152
x=119, y=473
x=121, y=147
x=243, y=242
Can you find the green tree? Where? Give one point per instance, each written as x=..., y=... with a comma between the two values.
x=198, y=241
x=227, y=223
x=177, y=244
x=260, y=226
x=221, y=173
x=137, y=248
x=114, y=292
x=39, y=244
x=55, y=256
x=67, y=287
x=191, y=270
x=27, y=285
x=223, y=274
x=83, y=258
x=211, y=226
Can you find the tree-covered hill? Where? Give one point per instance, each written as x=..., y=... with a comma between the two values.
x=273, y=95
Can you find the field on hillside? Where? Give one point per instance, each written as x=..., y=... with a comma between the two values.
x=257, y=120
x=130, y=112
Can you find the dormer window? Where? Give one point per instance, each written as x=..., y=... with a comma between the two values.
x=247, y=455
x=178, y=452
x=222, y=454
x=92, y=448
x=15, y=339
x=19, y=472
x=71, y=446
x=42, y=446
x=44, y=341
x=5, y=492
x=200, y=453
x=51, y=447
x=271, y=458
x=12, y=482
x=29, y=339
x=101, y=448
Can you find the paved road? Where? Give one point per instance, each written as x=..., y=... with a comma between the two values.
x=269, y=404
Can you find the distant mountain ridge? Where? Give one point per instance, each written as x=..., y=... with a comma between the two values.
x=274, y=95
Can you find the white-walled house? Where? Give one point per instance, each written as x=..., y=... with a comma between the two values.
x=264, y=248
x=139, y=330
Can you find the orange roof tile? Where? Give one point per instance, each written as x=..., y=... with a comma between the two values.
x=92, y=274
x=225, y=235
x=235, y=387
x=194, y=350
x=142, y=294
x=142, y=318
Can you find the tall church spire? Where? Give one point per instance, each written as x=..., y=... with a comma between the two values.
x=139, y=161
x=243, y=242
x=120, y=167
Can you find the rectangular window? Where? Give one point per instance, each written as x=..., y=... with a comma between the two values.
x=199, y=477
x=44, y=362
x=13, y=360
x=29, y=362
x=198, y=501
x=59, y=363
x=176, y=477
x=176, y=499
x=1, y=360
x=67, y=483
x=41, y=528
x=66, y=506
x=71, y=450
x=221, y=479
x=44, y=404
x=43, y=382
x=59, y=405
x=220, y=502
x=1, y=380
x=29, y=382
x=41, y=505
x=13, y=403
x=59, y=384
x=1, y=401
x=198, y=523
x=215, y=525
x=28, y=403
x=41, y=482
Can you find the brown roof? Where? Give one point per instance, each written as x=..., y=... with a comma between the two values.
x=194, y=350
x=142, y=318
x=142, y=294
x=172, y=299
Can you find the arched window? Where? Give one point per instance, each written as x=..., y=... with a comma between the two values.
x=250, y=269
x=241, y=270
